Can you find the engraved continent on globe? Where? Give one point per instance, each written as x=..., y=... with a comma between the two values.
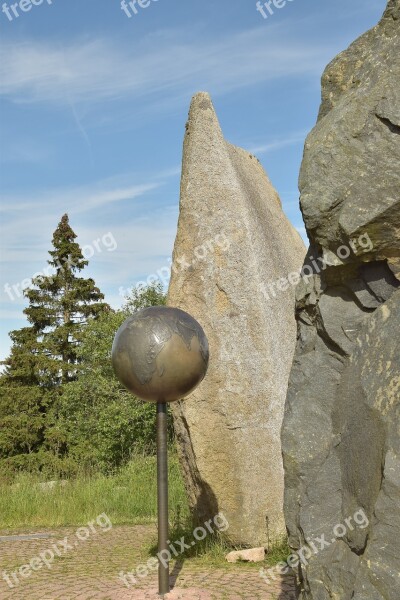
x=160, y=354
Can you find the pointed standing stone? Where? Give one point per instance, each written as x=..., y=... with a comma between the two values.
x=233, y=240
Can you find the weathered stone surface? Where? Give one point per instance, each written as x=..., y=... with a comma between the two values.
x=341, y=432
x=356, y=141
x=248, y=555
x=232, y=239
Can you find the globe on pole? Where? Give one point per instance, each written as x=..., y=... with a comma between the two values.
x=160, y=354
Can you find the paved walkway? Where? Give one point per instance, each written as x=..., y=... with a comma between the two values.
x=84, y=564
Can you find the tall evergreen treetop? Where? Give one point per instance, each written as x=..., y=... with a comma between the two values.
x=61, y=304
x=44, y=355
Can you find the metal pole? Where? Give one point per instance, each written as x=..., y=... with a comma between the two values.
x=162, y=497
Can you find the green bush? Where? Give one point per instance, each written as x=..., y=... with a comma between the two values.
x=92, y=424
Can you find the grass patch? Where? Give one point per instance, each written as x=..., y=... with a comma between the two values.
x=212, y=550
x=279, y=552
x=129, y=497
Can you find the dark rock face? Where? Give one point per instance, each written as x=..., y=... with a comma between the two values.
x=341, y=430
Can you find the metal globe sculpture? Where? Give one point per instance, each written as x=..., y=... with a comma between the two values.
x=160, y=354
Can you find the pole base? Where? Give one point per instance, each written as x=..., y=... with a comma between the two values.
x=162, y=497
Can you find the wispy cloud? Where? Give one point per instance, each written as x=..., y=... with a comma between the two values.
x=101, y=70
x=140, y=249
x=30, y=220
x=26, y=151
x=282, y=142
x=78, y=199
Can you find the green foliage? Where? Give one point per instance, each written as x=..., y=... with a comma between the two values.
x=44, y=356
x=42, y=462
x=61, y=407
x=211, y=550
x=278, y=552
x=23, y=400
x=142, y=297
x=105, y=426
x=60, y=306
x=21, y=421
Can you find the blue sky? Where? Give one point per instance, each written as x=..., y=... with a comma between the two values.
x=93, y=109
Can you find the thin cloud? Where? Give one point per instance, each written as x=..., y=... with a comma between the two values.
x=26, y=151
x=139, y=250
x=77, y=199
x=25, y=233
x=283, y=142
x=100, y=70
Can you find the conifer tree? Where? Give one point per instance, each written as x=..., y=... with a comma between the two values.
x=44, y=355
x=22, y=399
x=61, y=304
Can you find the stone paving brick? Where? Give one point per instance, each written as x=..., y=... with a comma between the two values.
x=89, y=570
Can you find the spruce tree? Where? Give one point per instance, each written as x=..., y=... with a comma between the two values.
x=61, y=304
x=22, y=399
x=44, y=355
